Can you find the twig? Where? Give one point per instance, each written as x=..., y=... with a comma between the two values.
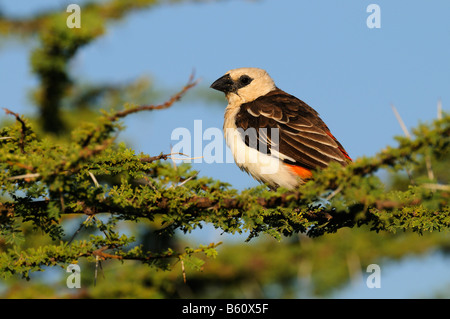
x=24, y=128
x=191, y=83
x=429, y=167
x=80, y=228
x=183, y=270
x=400, y=121
x=407, y=134
x=94, y=179
x=103, y=231
x=335, y=192
x=439, y=109
x=97, y=261
x=173, y=162
x=98, y=264
x=120, y=114
x=24, y=176
x=187, y=180
x=159, y=157
x=428, y=157
x=100, y=254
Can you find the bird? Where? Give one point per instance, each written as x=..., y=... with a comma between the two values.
x=275, y=137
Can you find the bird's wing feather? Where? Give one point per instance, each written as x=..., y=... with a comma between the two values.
x=304, y=139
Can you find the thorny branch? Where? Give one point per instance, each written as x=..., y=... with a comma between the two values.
x=159, y=157
x=120, y=114
x=191, y=83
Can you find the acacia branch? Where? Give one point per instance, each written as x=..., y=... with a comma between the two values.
x=120, y=114
x=108, y=127
x=159, y=157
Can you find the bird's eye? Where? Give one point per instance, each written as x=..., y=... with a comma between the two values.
x=245, y=79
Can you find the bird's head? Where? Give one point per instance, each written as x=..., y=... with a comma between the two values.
x=246, y=84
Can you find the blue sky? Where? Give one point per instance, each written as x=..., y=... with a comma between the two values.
x=320, y=51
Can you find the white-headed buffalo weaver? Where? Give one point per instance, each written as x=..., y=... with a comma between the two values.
x=274, y=136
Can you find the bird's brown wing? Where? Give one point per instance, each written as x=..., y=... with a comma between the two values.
x=303, y=138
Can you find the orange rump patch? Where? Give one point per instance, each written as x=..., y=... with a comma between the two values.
x=304, y=173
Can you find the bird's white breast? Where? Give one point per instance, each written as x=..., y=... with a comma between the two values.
x=265, y=168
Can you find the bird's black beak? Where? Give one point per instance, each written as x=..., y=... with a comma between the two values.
x=224, y=84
